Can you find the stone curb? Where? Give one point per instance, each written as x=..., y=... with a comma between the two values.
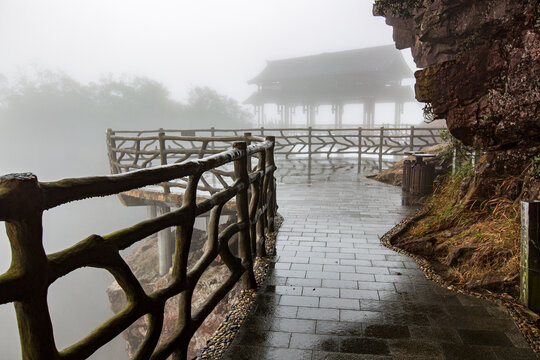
x=517, y=311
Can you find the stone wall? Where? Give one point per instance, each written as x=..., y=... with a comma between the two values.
x=481, y=71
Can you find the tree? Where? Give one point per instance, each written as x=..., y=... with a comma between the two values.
x=208, y=108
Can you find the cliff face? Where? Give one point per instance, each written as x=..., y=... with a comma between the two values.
x=481, y=73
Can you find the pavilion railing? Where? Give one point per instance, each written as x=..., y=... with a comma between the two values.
x=374, y=143
x=23, y=200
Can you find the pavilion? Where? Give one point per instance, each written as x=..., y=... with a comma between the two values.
x=363, y=76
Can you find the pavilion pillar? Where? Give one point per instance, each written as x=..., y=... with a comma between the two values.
x=369, y=113
x=285, y=112
x=338, y=113
x=397, y=113
x=310, y=111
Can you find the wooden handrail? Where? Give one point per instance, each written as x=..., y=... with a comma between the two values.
x=23, y=199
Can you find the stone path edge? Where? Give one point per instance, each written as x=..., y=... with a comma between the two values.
x=517, y=311
x=222, y=338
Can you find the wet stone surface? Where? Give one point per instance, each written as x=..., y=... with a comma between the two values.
x=334, y=292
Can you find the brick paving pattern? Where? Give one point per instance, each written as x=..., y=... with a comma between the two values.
x=334, y=292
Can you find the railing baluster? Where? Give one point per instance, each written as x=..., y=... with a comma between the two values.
x=381, y=143
x=261, y=221
x=271, y=186
x=25, y=232
x=242, y=213
x=163, y=155
x=111, y=144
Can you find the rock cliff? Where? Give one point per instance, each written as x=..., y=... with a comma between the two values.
x=481, y=71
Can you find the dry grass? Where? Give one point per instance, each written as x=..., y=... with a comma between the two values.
x=489, y=229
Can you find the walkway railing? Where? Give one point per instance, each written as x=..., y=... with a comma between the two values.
x=378, y=143
x=23, y=200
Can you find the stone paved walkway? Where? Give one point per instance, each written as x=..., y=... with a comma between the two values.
x=336, y=293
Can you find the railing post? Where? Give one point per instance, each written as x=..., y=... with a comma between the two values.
x=247, y=139
x=530, y=255
x=260, y=226
x=359, y=149
x=242, y=212
x=309, y=152
x=381, y=143
x=163, y=155
x=271, y=188
x=262, y=130
x=111, y=145
x=213, y=135
x=24, y=228
x=412, y=139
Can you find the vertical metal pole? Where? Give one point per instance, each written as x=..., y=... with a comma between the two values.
x=530, y=255
x=381, y=143
x=359, y=150
x=242, y=210
x=412, y=139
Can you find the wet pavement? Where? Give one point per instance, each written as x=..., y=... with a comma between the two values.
x=334, y=292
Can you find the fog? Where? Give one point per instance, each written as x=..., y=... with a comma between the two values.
x=71, y=69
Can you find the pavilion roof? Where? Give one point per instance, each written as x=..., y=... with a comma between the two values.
x=384, y=61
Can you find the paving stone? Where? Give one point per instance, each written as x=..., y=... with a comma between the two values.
x=322, y=275
x=484, y=337
x=414, y=348
x=387, y=331
x=294, y=325
x=362, y=316
x=508, y=353
x=363, y=346
x=266, y=353
x=435, y=334
x=351, y=304
x=299, y=300
x=467, y=352
x=303, y=282
x=317, y=313
x=315, y=342
x=320, y=355
x=340, y=284
x=263, y=338
x=359, y=294
x=320, y=291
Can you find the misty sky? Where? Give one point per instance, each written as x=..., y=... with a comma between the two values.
x=180, y=43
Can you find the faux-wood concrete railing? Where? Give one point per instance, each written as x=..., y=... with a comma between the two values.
x=136, y=149
x=23, y=200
